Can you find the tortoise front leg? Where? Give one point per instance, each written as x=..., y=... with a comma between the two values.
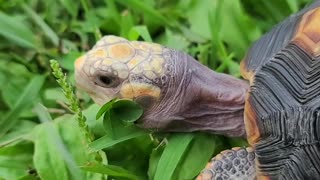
x=237, y=163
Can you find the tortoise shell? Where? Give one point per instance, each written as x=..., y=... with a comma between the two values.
x=282, y=114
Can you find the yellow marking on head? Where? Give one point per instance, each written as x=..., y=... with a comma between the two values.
x=107, y=61
x=113, y=39
x=133, y=62
x=147, y=66
x=121, y=52
x=79, y=62
x=157, y=65
x=156, y=48
x=99, y=53
x=147, y=46
x=133, y=90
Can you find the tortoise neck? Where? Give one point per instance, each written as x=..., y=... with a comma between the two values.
x=218, y=102
x=212, y=102
x=198, y=99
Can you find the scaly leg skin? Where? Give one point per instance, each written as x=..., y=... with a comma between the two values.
x=234, y=164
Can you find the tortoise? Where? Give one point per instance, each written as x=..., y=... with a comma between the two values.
x=276, y=107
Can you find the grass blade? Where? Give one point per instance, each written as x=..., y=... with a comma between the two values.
x=44, y=26
x=107, y=141
x=24, y=101
x=140, y=31
x=111, y=170
x=171, y=156
x=15, y=30
x=139, y=5
x=54, y=152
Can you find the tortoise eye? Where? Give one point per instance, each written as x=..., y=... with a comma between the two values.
x=107, y=81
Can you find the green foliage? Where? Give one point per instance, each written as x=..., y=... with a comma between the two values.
x=57, y=140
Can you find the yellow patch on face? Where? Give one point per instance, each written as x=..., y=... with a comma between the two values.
x=121, y=52
x=113, y=39
x=133, y=62
x=99, y=53
x=146, y=46
x=107, y=61
x=79, y=62
x=147, y=66
x=157, y=65
x=133, y=90
x=156, y=48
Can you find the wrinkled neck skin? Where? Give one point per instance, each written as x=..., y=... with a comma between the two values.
x=198, y=99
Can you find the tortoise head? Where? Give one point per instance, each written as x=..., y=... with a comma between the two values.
x=176, y=92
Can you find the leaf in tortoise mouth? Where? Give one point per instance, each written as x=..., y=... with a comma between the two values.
x=119, y=114
x=120, y=109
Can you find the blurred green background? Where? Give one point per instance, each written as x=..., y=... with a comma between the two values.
x=46, y=143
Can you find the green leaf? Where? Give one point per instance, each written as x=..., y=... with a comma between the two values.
x=125, y=110
x=15, y=30
x=172, y=155
x=15, y=160
x=68, y=60
x=238, y=142
x=114, y=171
x=60, y=146
x=95, y=125
x=107, y=141
x=154, y=160
x=106, y=107
x=199, y=152
x=143, y=7
x=25, y=100
x=18, y=132
x=44, y=26
x=142, y=31
x=71, y=7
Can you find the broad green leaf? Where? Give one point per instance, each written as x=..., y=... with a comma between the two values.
x=114, y=171
x=175, y=41
x=60, y=146
x=96, y=126
x=55, y=94
x=68, y=60
x=119, y=114
x=16, y=160
x=125, y=110
x=15, y=30
x=25, y=100
x=18, y=132
x=172, y=155
x=106, y=107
